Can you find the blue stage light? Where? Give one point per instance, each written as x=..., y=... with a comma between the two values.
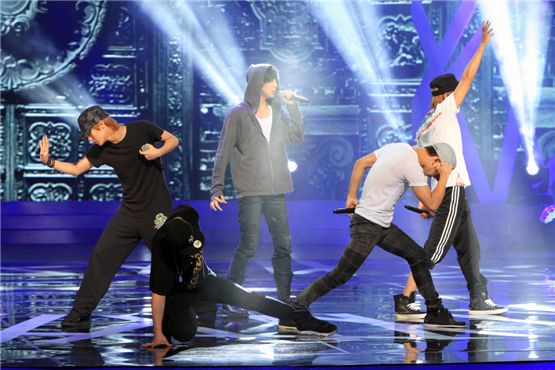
x=520, y=45
x=548, y=214
x=352, y=27
x=214, y=51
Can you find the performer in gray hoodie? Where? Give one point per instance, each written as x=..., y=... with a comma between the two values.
x=253, y=140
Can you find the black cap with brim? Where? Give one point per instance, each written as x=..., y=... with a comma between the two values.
x=88, y=118
x=180, y=232
x=443, y=84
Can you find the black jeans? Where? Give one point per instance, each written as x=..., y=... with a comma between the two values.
x=452, y=225
x=274, y=209
x=364, y=236
x=119, y=238
x=179, y=315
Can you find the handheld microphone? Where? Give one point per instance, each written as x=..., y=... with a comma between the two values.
x=338, y=211
x=416, y=210
x=300, y=99
x=145, y=147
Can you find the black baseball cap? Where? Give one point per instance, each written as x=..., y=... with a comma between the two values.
x=443, y=84
x=90, y=117
x=181, y=232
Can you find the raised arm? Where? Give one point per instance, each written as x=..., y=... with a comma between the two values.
x=472, y=67
x=360, y=167
x=432, y=199
x=74, y=169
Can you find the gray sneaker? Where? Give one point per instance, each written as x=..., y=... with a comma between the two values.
x=485, y=307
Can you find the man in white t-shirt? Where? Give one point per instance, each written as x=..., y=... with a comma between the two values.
x=452, y=224
x=395, y=168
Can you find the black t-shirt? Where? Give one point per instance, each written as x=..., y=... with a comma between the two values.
x=144, y=186
x=172, y=273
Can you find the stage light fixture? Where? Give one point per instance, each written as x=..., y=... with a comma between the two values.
x=520, y=39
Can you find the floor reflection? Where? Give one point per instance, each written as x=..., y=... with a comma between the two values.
x=34, y=298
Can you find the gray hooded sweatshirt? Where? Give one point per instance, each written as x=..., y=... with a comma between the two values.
x=258, y=167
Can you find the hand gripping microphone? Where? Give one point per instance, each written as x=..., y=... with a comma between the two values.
x=338, y=211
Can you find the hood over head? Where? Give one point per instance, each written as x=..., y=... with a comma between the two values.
x=255, y=80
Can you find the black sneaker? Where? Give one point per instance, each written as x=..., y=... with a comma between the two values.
x=232, y=311
x=306, y=324
x=485, y=307
x=75, y=323
x=441, y=318
x=405, y=309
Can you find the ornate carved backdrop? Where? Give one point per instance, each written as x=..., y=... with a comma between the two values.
x=111, y=53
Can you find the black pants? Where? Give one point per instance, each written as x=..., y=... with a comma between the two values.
x=179, y=315
x=364, y=236
x=452, y=225
x=119, y=238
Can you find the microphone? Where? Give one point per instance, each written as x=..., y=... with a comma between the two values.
x=416, y=210
x=145, y=147
x=300, y=99
x=338, y=211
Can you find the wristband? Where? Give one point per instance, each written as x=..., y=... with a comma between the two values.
x=50, y=162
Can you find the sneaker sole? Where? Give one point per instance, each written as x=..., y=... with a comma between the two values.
x=488, y=312
x=410, y=316
x=293, y=330
x=444, y=325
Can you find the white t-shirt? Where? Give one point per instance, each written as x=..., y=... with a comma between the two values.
x=396, y=169
x=266, y=125
x=442, y=126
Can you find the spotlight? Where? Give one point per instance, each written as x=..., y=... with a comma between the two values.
x=520, y=47
x=353, y=29
x=214, y=51
x=532, y=167
x=292, y=166
x=548, y=214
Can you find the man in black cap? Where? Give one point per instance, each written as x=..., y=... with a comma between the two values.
x=452, y=224
x=130, y=150
x=179, y=279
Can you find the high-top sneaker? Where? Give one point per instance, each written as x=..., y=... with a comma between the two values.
x=405, y=309
x=441, y=317
x=303, y=323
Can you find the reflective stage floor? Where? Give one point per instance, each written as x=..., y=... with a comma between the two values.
x=35, y=297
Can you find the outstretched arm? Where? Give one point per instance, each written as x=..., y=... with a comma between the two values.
x=360, y=167
x=158, y=305
x=74, y=169
x=472, y=66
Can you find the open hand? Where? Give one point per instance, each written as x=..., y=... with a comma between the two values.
x=44, y=149
x=215, y=203
x=487, y=32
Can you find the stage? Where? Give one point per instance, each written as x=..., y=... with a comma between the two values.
x=39, y=281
